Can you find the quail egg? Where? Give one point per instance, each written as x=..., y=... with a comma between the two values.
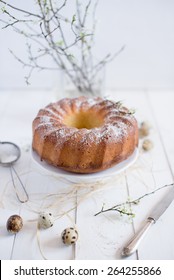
x=14, y=224
x=45, y=220
x=69, y=236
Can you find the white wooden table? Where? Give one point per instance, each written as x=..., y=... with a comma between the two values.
x=103, y=236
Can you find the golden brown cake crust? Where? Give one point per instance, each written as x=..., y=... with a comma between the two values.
x=110, y=136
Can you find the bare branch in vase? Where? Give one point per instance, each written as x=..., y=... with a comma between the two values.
x=67, y=41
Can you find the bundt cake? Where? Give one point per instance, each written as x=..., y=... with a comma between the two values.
x=84, y=135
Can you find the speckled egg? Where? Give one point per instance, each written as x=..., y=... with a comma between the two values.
x=45, y=220
x=14, y=224
x=147, y=145
x=69, y=236
x=144, y=129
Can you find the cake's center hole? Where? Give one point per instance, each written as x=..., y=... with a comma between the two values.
x=83, y=120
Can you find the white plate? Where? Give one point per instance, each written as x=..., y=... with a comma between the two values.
x=76, y=177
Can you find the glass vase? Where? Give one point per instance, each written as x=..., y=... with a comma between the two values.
x=66, y=89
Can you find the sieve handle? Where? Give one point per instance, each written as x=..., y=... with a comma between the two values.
x=21, y=197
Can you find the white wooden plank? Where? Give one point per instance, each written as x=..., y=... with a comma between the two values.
x=162, y=103
x=102, y=236
x=6, y=239
x=4, y=98
x=153, y=173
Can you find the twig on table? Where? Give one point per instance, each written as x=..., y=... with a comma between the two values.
x=121, y=208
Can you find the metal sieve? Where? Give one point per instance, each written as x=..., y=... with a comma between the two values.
x=9, y=154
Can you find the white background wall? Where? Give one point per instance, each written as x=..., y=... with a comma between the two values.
x=146, y=27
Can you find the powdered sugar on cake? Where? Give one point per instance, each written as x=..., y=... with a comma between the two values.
x=112, y=129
